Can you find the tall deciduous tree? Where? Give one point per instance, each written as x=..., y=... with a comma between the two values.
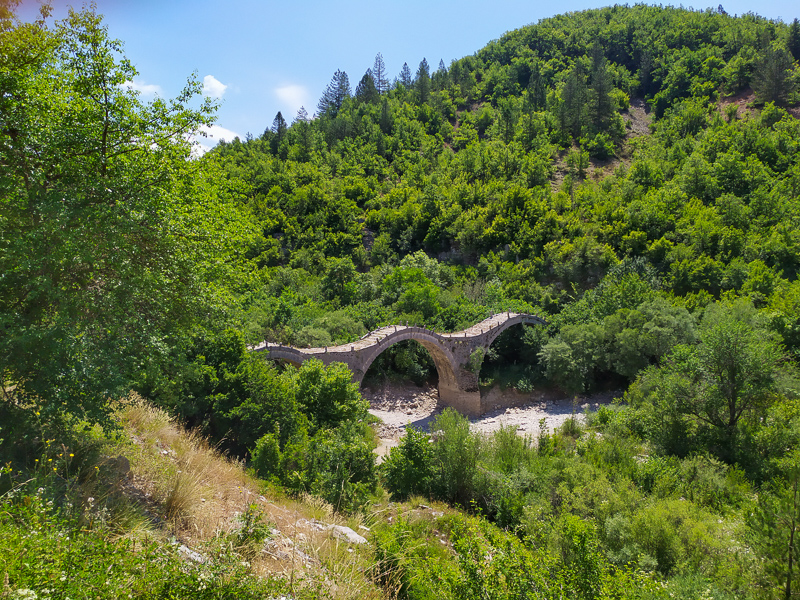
x=731, y=375
x=109, y=232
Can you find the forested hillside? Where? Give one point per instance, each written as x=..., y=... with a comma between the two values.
x=526, y=177
x=631, y=174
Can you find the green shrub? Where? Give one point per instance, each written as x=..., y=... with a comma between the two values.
x=266, y=456
x=408, y=470
x=576, y=544
x=253, y=530
x=600, y=146
x=455, y=451
x=408, y=565
x=341, y=467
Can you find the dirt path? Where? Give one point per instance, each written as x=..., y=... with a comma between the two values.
x=401, y=406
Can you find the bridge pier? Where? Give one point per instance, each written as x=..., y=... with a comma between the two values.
x=466, y=402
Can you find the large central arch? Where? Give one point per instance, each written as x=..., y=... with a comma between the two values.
x=451, y=352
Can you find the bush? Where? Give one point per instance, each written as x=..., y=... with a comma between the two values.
x=455, y=457
x=328, y=395
x=408, y=470
x=601, y=146
x=266, y=456
x=341, y=466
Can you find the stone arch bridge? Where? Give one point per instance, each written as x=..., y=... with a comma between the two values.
x=451, y=352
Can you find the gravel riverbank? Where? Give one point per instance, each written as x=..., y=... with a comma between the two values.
x=401, y=406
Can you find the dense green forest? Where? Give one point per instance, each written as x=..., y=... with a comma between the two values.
x=631, y=174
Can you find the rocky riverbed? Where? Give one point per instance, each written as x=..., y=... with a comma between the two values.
x=401, y=406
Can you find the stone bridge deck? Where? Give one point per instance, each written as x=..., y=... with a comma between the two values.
x=451, y=352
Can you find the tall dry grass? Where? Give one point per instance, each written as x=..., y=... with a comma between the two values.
x=201, y=494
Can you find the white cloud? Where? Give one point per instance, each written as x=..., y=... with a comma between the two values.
x=213, y=87
x=293, y=96
x=147, y=90
x=214, y=133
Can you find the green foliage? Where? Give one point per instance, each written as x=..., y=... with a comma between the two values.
x=772, y=77
x=402, y=361
x=408, y=470
x=72, y=557
x=714, y=394
x=266, y=456
x=111, y=234
x=455, y=457
x=328, y=394
x=252, y=532
x=434, y=202
x=490, y=561
x=341, y=466
x=773, y=527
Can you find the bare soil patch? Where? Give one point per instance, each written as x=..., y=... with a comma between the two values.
x=742, y=100
x=637, y=118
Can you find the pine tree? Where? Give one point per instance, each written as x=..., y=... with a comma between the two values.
x=301, y=133
x=423, y=81
x=279, y=126
x=600, y=105
x=302, y=116
x=441, y=78
x=645, y=72
x=366, y=90
x=573, y=107
x=774, y=524
x=530, y=124
x=772, y=80
x=379, y=74
x=536, y=87
x=336, y=93
x=793, y=43
x=278, y=129
x=507, y=108
x=405, y=76
x=386, y=117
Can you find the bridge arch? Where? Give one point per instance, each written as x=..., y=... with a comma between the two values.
x=443, y=360
x=495, y=332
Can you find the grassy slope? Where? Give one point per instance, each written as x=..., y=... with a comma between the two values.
x=158, y=499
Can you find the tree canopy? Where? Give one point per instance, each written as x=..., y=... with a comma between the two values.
x=113, y=239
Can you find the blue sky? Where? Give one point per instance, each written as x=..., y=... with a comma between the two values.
x=262, y=57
